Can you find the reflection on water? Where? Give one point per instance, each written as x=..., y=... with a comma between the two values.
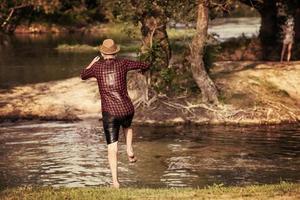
x=74, y=154
x=226, y=28
x=28, y=59
x=33, y=58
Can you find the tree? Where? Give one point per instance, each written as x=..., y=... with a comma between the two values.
x=273, y=15
x=206, y=85
x=154, y=15
x=11, y=12
x=70, y=12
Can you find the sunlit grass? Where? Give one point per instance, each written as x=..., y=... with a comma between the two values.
x=83, y=48
x=80, y=48
x=277, y=191
x=181, y=34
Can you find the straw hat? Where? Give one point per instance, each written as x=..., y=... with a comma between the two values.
x=109, y=47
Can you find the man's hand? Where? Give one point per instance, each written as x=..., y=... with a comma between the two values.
x=93, y=61
x=96, y=59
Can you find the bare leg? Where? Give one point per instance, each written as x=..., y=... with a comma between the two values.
x=113, y=163
x=282, y=52
x=289, y=51
x=129, y=149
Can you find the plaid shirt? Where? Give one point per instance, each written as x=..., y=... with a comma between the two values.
x=111, y=78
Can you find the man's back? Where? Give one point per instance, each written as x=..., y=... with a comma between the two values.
x=111, y=77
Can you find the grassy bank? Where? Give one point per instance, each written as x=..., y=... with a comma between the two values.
x=278, y=191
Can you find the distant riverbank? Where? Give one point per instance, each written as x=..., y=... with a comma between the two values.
x=276, y=192
x=54, y=56
x=250, y=93
x=224, y=28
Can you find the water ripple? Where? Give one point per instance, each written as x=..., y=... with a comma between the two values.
x=75, y=155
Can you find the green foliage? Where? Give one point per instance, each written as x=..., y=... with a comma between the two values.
x=178, y=11
x=67, y=12
x=176, y=78
x=12, y=12
x=167, y=75
x=151, y=56
x=76, y=12
x=210, y=55
x=290, y=7
x=241, y=10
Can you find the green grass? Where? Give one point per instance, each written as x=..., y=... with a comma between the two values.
x=83, y=48
x=181, y=34
x=277, y=191
x=79, y=48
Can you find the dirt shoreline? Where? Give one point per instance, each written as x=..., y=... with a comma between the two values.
x=150, y=122
x=251, y=93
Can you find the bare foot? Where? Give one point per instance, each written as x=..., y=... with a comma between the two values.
x=130, y=155
x=132, y=158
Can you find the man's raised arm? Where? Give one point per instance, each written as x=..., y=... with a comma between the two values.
x=88, y=72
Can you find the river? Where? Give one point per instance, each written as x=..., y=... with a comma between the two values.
x=74, y=155
x=33, y=58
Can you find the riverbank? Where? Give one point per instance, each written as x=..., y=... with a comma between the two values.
x=250, y=93
x=280, y=191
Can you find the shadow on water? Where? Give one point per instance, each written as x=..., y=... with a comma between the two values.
x=74, y=154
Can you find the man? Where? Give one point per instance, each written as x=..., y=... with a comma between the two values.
x=117, y=108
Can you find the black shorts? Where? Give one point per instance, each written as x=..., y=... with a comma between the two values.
x=111, y=125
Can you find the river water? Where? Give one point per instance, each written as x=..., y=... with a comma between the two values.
x=34, y=59
x=74, y=155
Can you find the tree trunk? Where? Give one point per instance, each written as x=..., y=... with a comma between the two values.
x=297, y=25
x=206, y=85
x=269, y=33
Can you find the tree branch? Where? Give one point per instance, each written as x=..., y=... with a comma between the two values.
x=8, y=18
x=12, y=10
x=257, y=4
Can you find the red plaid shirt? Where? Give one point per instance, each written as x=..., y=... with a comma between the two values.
x=111, y=78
